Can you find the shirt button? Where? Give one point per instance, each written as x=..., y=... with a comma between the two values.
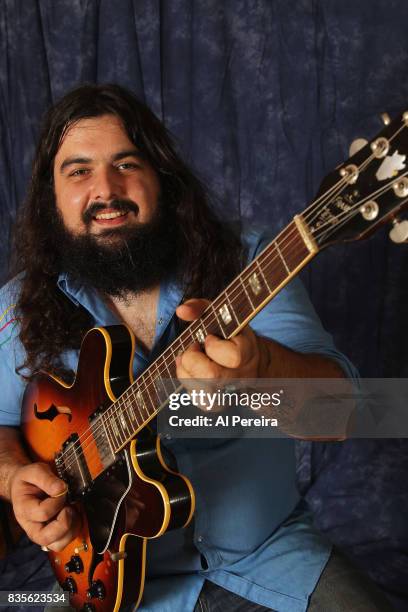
x=160, y=321
x=200, y=539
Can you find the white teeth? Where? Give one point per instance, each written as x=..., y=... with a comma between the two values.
x=111, y=215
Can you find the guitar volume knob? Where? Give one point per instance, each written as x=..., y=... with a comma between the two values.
x=97, y=590
x=88, y=607
x=75, y=565
x=69, y=585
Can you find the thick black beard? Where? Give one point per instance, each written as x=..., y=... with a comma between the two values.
x=121, y=260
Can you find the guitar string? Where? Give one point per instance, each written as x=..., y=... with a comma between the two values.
x=116, y=408
x=181, y=340
x=340, y=183
x=359, y=204
x=117, y=405
x=163, y=359
x=125, y=397
x=364, y=164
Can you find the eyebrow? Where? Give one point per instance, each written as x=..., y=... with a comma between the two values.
x=70, y=161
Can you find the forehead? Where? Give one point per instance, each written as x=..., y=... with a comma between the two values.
x=94, y=136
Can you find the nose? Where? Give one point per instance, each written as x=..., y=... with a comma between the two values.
x=106, y=186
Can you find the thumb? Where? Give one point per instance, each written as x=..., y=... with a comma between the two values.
x=192, y=309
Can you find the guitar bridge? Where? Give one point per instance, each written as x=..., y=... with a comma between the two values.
x=72, y=467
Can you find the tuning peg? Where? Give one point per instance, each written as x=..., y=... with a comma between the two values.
x=357, y=145
x=399, y=231
x=385, y=118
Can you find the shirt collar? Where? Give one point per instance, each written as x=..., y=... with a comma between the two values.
x=169, y=298
x=87, y=297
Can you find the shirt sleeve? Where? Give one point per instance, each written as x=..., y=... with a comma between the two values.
x=11, y=356
x=290, y=318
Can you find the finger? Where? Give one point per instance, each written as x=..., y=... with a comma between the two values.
x=195, y=364
x=62, y=530
x=30, y=507
x=232, y=353
x=192, y=309
x=41, y=476
x=193, y=348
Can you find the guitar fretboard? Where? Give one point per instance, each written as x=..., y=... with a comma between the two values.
x=224, y=317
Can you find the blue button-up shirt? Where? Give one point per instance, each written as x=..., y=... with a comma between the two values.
x=250, y=535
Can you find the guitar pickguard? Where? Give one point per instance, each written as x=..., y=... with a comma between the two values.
x=103, y=502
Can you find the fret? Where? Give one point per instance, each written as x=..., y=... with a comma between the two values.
x=273, y=268
x=295, y=249
x=167, y=366
x=106, y=430
x=138, y=395
x=218, y=320
x=159, y=384
x=224, y=316
x=123, y=420
x=169, y=381
x=155, y=380
x=199, y=333
x=131, y=408
x=131, y=412
x=116, y=431
x=147, y=391
x=256, y=285
x=231, y=306
x=263, y=276
x=281, y=256
x=246, y=293
x=119, y=425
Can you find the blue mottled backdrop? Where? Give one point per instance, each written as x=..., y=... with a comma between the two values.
x=264, y=97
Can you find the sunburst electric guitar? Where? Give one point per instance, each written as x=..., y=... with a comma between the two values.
x=93, y=433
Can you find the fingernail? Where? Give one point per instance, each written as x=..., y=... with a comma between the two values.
x=57, y=490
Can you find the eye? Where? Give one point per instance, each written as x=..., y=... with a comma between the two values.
x=128, y=166
x=79, y=172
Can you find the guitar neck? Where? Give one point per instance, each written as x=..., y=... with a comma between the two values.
x=246, y=295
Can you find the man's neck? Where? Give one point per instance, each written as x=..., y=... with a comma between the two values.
x=138, y=311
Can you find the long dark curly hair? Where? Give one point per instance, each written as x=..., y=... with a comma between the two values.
x=50, y=322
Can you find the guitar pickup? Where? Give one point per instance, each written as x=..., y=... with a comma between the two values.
x=72, y=467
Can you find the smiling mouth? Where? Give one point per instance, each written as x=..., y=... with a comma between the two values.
x=111, y=215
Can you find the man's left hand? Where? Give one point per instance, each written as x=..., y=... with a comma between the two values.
x=238, y=357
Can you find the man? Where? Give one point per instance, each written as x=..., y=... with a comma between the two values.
x=116, y=229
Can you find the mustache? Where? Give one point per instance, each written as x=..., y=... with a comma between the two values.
x=95, y=208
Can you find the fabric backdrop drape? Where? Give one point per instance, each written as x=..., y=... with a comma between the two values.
x=264, y=98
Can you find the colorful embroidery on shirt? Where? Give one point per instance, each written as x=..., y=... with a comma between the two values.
x=13, y=321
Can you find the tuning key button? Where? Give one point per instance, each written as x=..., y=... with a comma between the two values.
x=349, y=173
x=69, y=585
x=385, y=118
x=399, y=231
x=400, y=187
x=380, y=147
x=97, y=590
x=369, y=210
x=357, y=145
x=75, y=565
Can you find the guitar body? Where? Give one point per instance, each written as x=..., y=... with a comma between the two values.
x=125, y=497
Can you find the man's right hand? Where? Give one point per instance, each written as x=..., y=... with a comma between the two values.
x=39, y=503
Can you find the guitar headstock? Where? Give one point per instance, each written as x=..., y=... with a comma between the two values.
x=370, y=188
